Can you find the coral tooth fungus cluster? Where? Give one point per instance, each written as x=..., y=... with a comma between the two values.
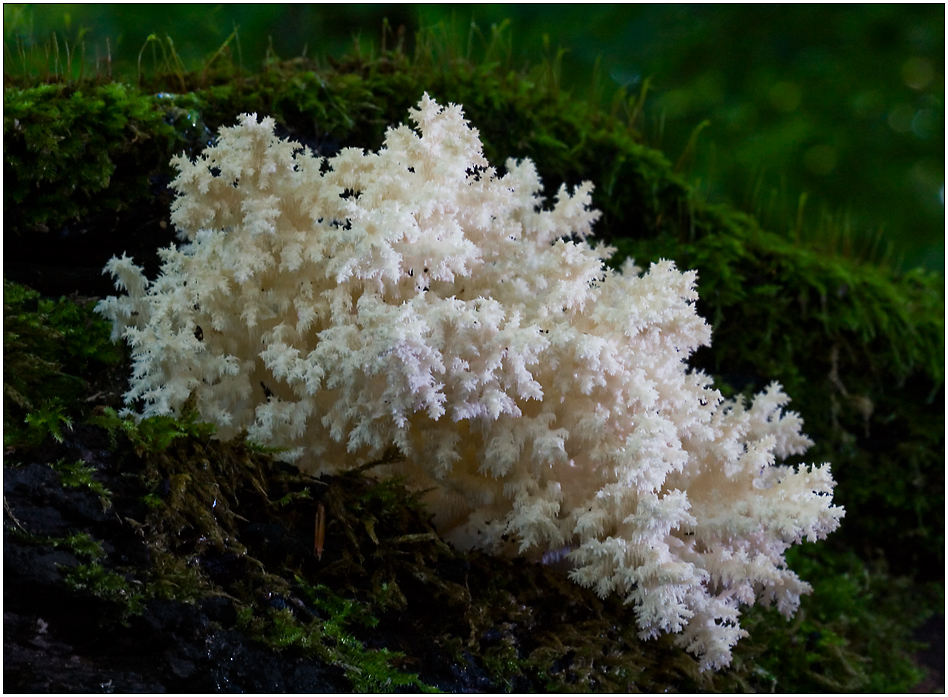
x=414, y=298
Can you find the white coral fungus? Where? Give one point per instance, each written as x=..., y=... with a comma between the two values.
x=414, y=298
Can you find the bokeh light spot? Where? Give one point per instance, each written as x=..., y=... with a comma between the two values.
x=917, y=72
x=625, y=77
x=820, y=159
x=924, y=123
x=785, y=96
x=900, y=118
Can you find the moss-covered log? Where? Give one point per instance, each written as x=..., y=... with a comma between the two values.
x=226, y=534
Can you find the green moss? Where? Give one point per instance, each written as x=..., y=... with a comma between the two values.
x=79, y=474
x=47, y=421
x=154, y=434
x=50, y=350
x=853, y=634
x=368, y=671
x=82, y=544
x=96, y=580
x=371, y=670
x=70, y=151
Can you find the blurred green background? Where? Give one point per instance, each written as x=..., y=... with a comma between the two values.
x=833, y=114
